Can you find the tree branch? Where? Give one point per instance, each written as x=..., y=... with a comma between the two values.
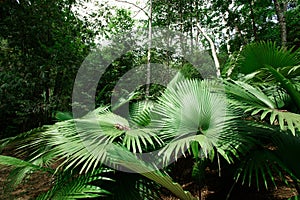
x=133, y=4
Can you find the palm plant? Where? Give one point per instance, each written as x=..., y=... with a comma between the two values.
x=264, y=62
x=206, y=119
x=255, y=102
x=189, y=118
x=265, y=91
x=83, y=147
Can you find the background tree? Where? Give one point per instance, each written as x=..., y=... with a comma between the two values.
x=42, y=46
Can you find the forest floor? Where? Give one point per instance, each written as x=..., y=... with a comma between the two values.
x=216, y=188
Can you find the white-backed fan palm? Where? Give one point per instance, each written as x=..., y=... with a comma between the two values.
x=193, y=116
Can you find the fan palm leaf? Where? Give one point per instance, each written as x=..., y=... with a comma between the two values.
x=83, y=142
x=194, y=113
x=274, y=156
x=276, y=61
x=257, y=55
x=83, y=146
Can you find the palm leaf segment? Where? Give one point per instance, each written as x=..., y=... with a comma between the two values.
x=193, y=114
x=254, y=101
x=71, y=186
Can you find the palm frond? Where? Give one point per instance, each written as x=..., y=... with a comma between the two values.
x=195, y=112
x=264, y=76
x=138, y=140
x=21, y=169
x=22, y=138
x=275, y=64
x=122, y=157
x=83, y=142
x=74, y=186
x=260, y=166
x=253, y=101
x=245, y=94
x=16, y=162
x=140, y=113
x=274, y=156
x=256, y=55
x=288, y=150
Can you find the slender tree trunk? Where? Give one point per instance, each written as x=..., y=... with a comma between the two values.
x=148, y=75
x=149, y=15
x=253, y=20
x=281, y=19
x=191, y=27
x=213, y=50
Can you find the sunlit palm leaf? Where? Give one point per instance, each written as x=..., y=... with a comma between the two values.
x=192, y=112
x=139, y=139
x=83, y=142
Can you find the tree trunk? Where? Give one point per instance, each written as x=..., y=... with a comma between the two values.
x=148, y=75
x=213, y=50
x=281, y=19
x=253, y=20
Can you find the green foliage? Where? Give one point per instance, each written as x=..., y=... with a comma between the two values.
x=272, y=157
x=253, y=101
x=294, y=198
x=293, y=26
x=195, y=112
x=251, y=122
x=42, y=45
x=193, y=117
x=83, y=145
x=74, y=186
x=275, y=62
x=256, y=56
x=15, y=162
